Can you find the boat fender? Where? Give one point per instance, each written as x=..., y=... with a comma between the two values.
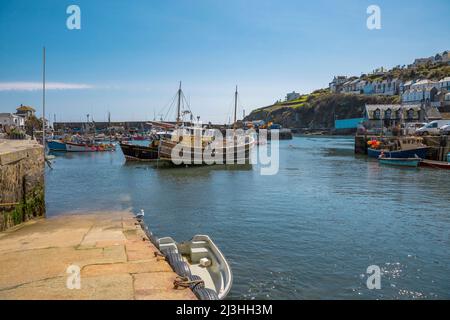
x=173, y=257
x=182, y=269
x=153, y=239
x=205, y=294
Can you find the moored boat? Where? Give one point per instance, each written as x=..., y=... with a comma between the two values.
x=400, y=162
x=138, y=137
x=56, y=145
x=86, y=147
x=79, y=147
x=233, y=150
x=411, y=153
x=200, y=265
x=435, y=164
x=406, y=147
x=134, y=152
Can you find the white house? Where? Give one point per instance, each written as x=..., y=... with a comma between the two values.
x=292, y=96
x=445, y=84
x=443, y=57
x=13, y=120
x=406, y=86
x=336, y=84
x=424, y=84
x=418, y=95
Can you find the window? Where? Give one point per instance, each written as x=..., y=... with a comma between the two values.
x=388, y=114
x=377, y=114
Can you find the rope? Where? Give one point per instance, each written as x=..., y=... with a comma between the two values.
x=184, y=282
x=9, y=204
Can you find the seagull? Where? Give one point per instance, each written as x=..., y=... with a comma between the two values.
x=141, y=214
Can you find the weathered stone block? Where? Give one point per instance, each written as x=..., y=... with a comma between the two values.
x=22, y=191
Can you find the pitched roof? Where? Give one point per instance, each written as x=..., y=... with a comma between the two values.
x=25, y=108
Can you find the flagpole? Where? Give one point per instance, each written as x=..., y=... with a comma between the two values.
x=43, y=98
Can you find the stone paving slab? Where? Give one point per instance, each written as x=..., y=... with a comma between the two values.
x=115, y=258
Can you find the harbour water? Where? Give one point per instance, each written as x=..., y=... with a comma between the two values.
x=309, y=232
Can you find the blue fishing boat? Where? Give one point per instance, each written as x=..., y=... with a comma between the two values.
x=401, y=162
x=409, y=153
x=56, y=145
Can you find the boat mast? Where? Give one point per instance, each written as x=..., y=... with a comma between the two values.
x=109, y=126
x=43, y=98
x=235, y=108
x=179, y=105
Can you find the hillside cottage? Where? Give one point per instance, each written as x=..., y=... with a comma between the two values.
x=336, y=84
x=292, y=96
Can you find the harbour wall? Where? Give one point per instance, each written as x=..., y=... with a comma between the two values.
x=22, y=191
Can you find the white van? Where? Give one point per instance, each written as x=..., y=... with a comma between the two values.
x=433, y=127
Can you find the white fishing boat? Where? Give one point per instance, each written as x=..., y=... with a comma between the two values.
x=200, y=265
x=79, y=147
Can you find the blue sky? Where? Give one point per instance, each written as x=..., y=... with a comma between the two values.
x=129, y=55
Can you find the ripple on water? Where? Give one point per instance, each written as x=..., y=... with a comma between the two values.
x=309, y=232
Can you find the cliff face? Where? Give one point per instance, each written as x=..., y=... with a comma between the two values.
x=318, y=110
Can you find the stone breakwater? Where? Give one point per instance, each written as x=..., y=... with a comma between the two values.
x=22, y=195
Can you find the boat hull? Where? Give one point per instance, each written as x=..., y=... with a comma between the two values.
x=139, y=153
x=230, y=155
x=413, y=153
x=400, y=162
x=54, y=145
x=435, y=164
x=74, y=147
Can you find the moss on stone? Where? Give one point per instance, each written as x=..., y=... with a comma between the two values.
x=33, y=206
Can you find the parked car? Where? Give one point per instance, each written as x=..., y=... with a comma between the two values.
x=411, y=127
x=432, y=128
x=445, y=129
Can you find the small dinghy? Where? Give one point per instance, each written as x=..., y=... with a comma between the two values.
x=199, y=265
x=401, y=162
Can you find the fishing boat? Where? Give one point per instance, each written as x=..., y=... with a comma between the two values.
x=79, y=147
x=200, y=264
x=231, y=150
x=56, y=145
x=195, y=141
x=412, y=153
x=401, y=162
x=73, y=146
x=435, y=164
x=134, y=152
x=138, y=137
x=199, y=146
x=400, y=148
